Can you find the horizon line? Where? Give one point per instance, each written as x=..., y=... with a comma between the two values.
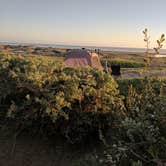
x=66, y=44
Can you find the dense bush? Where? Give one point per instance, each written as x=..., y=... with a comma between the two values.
x=144, y=136
x=124, y=63
x=140, y=139
x=37, y=95
x=138, y=84
x=75, y=102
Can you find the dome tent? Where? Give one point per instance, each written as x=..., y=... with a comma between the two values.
x=82, y=58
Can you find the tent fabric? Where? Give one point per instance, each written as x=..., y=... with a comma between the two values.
x=82, y=58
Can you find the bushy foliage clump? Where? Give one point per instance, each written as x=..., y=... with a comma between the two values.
x=141, y=135
x=124, y=63
x=145, y=124
x=158, y=84
x=140, y=138
x=39, y=96
x=75, y=102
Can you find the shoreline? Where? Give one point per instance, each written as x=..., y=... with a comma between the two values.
x=101, y=48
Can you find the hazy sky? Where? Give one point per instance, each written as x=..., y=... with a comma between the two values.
x=87, y=22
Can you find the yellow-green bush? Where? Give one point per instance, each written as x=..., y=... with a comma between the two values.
x=76, y=102
x=124, y=63
x=40, y=96
x=138, y=83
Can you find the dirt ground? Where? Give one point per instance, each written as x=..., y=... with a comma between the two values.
x=28, y=151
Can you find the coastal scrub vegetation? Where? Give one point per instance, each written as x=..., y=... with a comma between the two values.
x=123, y=63
x=39, y=96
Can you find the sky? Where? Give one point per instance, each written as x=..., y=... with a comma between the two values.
x=116, y=23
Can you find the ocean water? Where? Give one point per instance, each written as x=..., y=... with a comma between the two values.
x=118, y=49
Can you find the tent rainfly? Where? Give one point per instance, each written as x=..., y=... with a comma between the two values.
x=82, y=58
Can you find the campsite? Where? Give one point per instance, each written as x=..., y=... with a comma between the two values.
x=132, y=64
x=82, y=83
x=59, y=107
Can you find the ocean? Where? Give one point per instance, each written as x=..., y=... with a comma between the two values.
x=118, y=49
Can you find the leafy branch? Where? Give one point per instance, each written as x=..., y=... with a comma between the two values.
x=159, y=44
x=147, y=41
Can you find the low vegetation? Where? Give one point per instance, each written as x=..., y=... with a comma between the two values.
x=124, y=63
x=40, y=96
x=71, y=101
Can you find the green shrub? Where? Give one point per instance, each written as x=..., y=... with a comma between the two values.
x=75, y=102
x=138, y=84
x=140, y=138
x=37, y=95
x=124, y=63
x=145, y=126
